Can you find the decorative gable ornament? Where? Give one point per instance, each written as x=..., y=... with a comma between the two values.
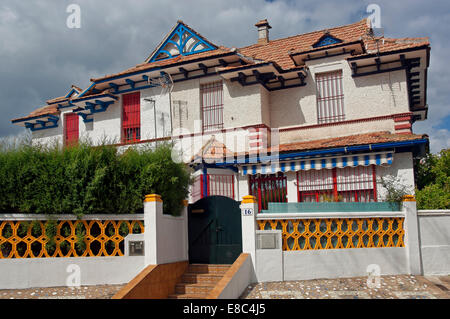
x=325, y=40
x=181, y=41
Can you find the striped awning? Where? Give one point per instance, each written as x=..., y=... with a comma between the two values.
x=381, y=158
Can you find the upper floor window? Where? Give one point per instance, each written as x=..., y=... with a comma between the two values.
x=71, y=129
x=330, y=97
x=211, y=103
x=131, y=117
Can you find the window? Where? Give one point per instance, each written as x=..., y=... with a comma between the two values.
x=71, y=132
x=131, y=117
x=330, y=97
x=221, y=185
x=211, y=102
x=350, y=184
x=356, y=184
x=218, y=184
x=268, y=188
x=315, y=185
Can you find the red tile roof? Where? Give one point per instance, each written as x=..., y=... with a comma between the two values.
x=45, y=110
x=351, y=140
x=326, y=143
x=278, y=51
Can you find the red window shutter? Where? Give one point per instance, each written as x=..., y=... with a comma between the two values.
x=71, y=132
x=131, y=117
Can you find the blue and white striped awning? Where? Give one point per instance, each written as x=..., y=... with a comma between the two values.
x=381, y=158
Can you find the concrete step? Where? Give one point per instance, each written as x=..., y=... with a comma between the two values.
x=210, y=269
x=187, y=296
x=198, y=281
x=205, y=278
x=189, y=288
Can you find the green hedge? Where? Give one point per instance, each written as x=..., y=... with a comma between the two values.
x=89, y=180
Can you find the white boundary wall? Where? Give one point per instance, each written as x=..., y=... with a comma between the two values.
x=165, y=241
x=434, y=232
x=274, y=264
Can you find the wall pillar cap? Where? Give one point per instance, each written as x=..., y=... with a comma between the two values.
x=249, y=199
x=409, y=198
x=153, y=198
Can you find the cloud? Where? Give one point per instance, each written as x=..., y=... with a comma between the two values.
x=41, y=57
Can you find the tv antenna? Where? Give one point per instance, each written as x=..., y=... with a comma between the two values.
x=165, y=82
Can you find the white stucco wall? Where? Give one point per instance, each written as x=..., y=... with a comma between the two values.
x=402, y=168
x=434, y=237
x=369, y=96
x=22, y=273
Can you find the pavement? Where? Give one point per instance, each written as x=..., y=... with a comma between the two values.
x=82, y=292
x=387, y=287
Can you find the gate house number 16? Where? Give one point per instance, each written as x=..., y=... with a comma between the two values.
x=248, y=212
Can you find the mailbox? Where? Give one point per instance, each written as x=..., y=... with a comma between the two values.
x=136, y=248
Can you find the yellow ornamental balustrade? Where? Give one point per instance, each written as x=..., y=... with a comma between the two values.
x=80, y=238
x=338, y=233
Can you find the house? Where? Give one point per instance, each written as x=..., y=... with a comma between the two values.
x=312, y=117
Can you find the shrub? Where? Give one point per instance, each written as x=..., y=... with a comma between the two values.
x=89, y=180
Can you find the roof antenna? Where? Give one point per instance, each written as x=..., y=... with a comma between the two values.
x=165, y=82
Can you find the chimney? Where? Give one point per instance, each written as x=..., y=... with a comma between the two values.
x=263, y=31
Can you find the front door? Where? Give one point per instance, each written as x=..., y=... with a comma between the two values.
x=215, y=232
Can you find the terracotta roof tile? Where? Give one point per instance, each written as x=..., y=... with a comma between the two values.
x=45, y=110
x=278, y=50
x=351, y=140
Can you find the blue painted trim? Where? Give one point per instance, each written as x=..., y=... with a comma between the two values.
x=84, y=92
x=131, y=83
x=87, y=98
x=36, y=117
x=326, y=40
x=179, y=31
x=205, y=181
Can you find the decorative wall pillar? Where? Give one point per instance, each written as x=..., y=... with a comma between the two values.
x=153, y=206
x=412, y=242
x=249, y=209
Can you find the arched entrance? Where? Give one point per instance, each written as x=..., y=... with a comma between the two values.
x=215, y=231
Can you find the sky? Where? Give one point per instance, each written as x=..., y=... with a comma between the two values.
x=41, y=57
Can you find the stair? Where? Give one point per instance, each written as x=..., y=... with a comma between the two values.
x=198, y=281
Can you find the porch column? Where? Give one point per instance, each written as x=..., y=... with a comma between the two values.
x=412, y=242
x=249, y=209
x=291, y=179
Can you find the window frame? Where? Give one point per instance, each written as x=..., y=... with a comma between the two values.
x=215, y=108
x=134, y=124
x=68, y=117
x=335, y=194
x=330, y=107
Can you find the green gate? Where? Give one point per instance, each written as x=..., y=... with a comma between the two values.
x=215, y=231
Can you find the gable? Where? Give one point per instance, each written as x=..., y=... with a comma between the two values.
x=326, y=40
x=181, y=41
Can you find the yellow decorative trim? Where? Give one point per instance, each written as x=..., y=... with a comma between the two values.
x=248, y=199
x=22, y=239
x=338, y=233
x=409, y=198
x=153, y=198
